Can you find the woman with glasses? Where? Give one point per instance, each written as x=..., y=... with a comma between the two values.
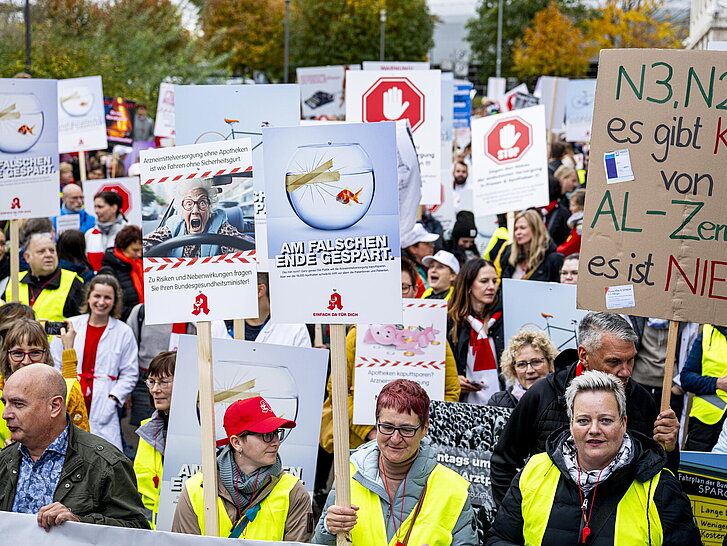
x=529, y=356
x=107, y=365
x=256, y=499
x=109, y=221
x=149, y=460
x=25, y=342
x=400, y=494
x=195, y=214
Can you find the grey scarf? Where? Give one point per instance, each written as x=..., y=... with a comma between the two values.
x=590, y=478
x=106, y=227
x=246, y=483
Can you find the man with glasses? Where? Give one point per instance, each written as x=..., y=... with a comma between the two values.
x=256, y=499
x=196, y=214
x=72, y=205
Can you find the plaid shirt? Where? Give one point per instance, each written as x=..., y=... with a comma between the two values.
x=38, y=480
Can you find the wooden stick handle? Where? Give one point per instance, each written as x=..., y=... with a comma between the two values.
x=82, y=166
x=238, y=328
x=671, y=350
x=339, y=399
x=14, y=261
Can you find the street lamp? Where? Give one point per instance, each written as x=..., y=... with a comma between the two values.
x=498, y=62
x=382, y=43
x=286, y=44
x=27, y=36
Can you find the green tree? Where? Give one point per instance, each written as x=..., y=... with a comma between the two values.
x=633, y=23
x=517, y=16
x=347, y=31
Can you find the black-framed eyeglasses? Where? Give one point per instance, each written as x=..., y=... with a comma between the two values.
x=202, y=204
x=534, y=363
x=35, y=355
x=406, y=287
x=267, y=437
x=389, y=430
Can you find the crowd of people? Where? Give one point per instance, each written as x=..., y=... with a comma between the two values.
x=585, y=457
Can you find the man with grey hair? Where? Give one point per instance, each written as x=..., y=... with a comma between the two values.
x=53, y=293
x=607, y=343
x=56, y=470
x=72, y=205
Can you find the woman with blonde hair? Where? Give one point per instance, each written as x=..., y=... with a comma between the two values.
x=529, y=356
x=531, y=255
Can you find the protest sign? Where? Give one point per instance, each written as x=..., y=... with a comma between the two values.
x=462, y=103
x=395, y=65
x=464, y=436
x=291, y=379
x=543, y=306
x=509, y=98
x=24, y=529
x=119, y=120
x=579, y=110
x=654, y=239
x=321, y=92
x=81, y=121
x=408, y=94
x=552, y=93
x=410, y=180
x=703, y=477
x=496, y=90
x=164, y=124
x=199, y=254
x=447, y=109
x=208, y=113
x=129, y=190
x=509, y=162
x=414, y=350
x=28, y=148
x=333, y=224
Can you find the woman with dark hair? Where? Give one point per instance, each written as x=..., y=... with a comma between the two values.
x=532, y=255
x=400, y=494
x=475, y=330
x=71, y=248
x=109, y=221
x=124, y=262
x=107, y=366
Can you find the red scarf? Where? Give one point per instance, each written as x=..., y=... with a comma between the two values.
x=137, y=272
x=481, y=348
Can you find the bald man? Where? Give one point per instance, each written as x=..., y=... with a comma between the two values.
x=56, y=470
x=72, y=204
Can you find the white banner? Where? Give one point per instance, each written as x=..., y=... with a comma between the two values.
x=129, y=190
x=509, y=161
x=552, y=92
x=164, y=124
x=291, y=379
x=414, y=350
x=81, y=116
x=395, y=65
x=579, y=110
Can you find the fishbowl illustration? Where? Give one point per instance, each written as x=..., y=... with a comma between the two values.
x=77, y=101
x=21, y=122
x=330, y=186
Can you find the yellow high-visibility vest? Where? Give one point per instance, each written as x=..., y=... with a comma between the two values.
x=49, y=303
x=709, y=408
x=148, y=465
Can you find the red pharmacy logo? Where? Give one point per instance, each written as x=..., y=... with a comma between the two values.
x=200, y=305
x=335, y=301
x=15, y=204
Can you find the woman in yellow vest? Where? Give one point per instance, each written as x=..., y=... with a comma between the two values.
x=148, y=463
x=256, y=499
x=400, y=495
x=26, y=342
x=596, y=483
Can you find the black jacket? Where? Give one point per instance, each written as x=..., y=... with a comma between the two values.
x=542, y=411
x=74, y=299
x=112, y=265
x=503, y=399
x=557, y=223
x=565, y=522
x=97, y=482
x=548, y=270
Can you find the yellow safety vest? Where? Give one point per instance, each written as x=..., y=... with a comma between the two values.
x=709, y=408
x=428, y=292
x=269, y=524
x=49, y=303
x=637, y=518
x=148, y=464
x=446, y=495
x=499, y=235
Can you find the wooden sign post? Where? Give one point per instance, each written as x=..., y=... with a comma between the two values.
x=14, y=260
x=671, y=349
x=339, y=399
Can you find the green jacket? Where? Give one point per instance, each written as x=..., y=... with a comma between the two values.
x=97, y=482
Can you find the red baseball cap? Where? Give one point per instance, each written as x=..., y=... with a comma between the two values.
x=253, y=415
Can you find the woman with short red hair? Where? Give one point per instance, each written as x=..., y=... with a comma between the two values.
x=400, y=495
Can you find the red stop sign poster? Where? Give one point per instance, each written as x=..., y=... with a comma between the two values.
x=508, y=140
x=123, y=192
x=393, y=98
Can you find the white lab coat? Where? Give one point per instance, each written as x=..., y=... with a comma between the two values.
x=116, y=372
x=295, y=335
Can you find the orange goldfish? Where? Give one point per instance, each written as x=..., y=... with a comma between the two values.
x=346, y=196
x=25, y=130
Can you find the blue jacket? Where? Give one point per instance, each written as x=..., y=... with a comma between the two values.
x=86, y=220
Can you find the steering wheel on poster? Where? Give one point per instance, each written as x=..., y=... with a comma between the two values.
x=162, y=249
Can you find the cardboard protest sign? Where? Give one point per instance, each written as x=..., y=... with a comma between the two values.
x=703, y=477
x=321, y=92
x=413, y=350
x=395, y=65
x=208, y=113
x=333, y=223
x=509, y=162
x=579, y=110
x=291, y=379
x=129, y=190
x=545, y=306
x=28, y=148
x=119, y=120
x=407, y=94
x=198, y=252
x=81, y=121
x=464, y=436
x=654, y=235
x=164, y=124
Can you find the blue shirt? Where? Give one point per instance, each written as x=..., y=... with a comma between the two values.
x=38, y=480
